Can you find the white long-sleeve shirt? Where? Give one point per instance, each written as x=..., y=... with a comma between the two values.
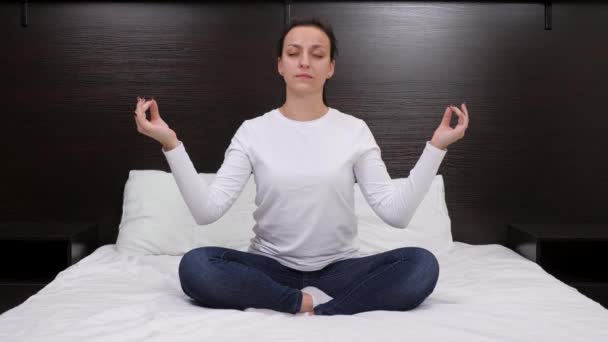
x=305, y=172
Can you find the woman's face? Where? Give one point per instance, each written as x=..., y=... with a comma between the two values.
x=306, y=50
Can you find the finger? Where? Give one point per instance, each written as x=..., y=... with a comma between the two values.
x=140, y=116
x=146, y=105
x=154, y=110
x=464, y=124
x=137, y=115
x=457, y=110
x=137, y=122
x=460, y=115
x=447, y=116
x=142, y=123
x=142, y=107
x=139, y=111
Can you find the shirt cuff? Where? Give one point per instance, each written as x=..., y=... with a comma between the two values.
x=435, y=150
x=175, y=152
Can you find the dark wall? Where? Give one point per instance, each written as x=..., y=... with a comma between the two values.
x=534, y=150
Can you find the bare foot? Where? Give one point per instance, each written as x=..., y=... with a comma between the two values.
x=306, y=303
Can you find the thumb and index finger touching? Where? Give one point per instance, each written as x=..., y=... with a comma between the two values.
x=153, y=106
x=141, y=108
x=140, y=113
x=447, y=116
x=462, y=115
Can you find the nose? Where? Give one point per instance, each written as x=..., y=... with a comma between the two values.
x=304, y=60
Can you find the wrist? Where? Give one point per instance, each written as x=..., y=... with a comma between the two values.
x=171, y=144
x=437, y=145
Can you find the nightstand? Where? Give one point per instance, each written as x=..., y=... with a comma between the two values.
x=33, y=253
x=573, y=253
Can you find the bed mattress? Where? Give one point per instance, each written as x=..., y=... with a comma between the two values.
x=484, y=293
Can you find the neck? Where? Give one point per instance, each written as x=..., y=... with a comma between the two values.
x=304, y=107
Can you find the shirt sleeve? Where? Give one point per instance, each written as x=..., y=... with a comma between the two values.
x=208, y=202
x=394, y=202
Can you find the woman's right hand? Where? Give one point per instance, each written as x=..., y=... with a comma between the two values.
x=155, y=128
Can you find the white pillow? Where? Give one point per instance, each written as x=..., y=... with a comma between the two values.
x=429, y=228
x=155, y=220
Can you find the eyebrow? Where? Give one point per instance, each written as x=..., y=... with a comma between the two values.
x=313, y=46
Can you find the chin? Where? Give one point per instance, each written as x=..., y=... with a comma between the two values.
x=304, y=86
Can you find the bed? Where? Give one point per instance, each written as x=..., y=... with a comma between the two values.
x=130, y=291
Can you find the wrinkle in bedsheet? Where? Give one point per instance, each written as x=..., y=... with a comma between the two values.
x=484, y=293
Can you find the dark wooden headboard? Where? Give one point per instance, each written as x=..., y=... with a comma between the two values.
x=534, y=150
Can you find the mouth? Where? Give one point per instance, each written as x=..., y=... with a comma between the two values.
x=304, y=76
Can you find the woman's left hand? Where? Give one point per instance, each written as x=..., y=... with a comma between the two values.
x=444, y=134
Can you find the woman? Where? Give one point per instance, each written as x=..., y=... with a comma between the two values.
x=305, y=157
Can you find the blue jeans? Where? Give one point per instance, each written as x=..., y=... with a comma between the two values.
x=395, y=280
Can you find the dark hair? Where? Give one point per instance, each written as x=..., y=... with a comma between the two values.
x=318, y=23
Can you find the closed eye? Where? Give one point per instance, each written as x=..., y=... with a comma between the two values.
x=293, y=54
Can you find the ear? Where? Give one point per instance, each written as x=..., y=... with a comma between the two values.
x=279, y=65
x=332, y=67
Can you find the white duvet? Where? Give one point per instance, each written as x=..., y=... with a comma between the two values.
x=484, y=293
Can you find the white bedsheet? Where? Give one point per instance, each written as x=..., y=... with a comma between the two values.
x=484, y=293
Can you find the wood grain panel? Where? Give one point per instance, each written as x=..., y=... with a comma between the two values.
x=70, y=85
x=534, y=151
